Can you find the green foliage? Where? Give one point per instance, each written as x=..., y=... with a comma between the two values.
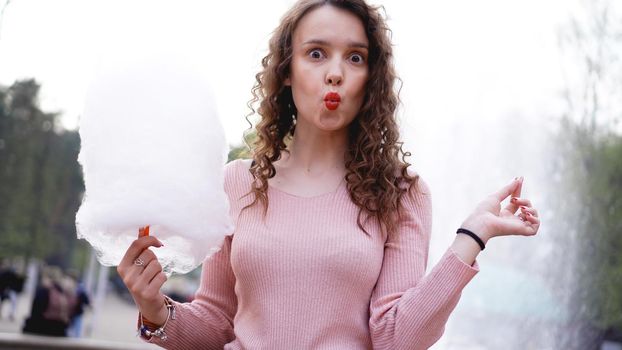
x=603, y=191
x=40, y=179
x=242, y=151
x=590, y=206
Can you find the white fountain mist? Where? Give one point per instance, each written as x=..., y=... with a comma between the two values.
x=480, y=109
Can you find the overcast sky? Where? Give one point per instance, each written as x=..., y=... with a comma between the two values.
x=456, y=58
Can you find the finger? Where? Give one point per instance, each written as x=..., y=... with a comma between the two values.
x=530, y=229
x=516, y=226
x=516, y=203
x=531, y=211
x=507, y=190
x=145, y=258
x=130, y=274
x=519, y=188
x=154, y=287
x=512, y=207
x=150, y=271
x=156, y=283
x=135, y=285
x=521, y=202
x=136, y=248
x=532, y=219
x=140, y=287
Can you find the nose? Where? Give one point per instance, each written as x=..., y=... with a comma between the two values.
x=334, y=76
x=333, y=79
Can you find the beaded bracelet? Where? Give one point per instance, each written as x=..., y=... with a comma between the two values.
x=158, y=332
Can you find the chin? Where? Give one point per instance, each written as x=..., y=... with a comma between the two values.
x=336, y=119
x=331, y=123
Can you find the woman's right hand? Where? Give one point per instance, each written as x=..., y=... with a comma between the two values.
x=142, y=274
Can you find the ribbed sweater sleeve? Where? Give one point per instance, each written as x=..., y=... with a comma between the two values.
x=408, y=310
x=206, y=322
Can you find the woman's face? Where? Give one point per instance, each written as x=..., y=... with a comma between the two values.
x=328, y=71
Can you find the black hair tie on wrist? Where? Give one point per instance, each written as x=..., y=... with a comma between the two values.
x=473, y=235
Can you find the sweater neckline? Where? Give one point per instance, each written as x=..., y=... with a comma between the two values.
x=321, y=195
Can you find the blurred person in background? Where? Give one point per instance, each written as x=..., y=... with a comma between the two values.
x=11, y=284
x=81, y=302
x=53, y=304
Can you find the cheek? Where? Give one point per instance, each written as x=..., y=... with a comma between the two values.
x=307, y=81
x=359, y=88
x=358, y=82
x=305, y=90
x=300, y=92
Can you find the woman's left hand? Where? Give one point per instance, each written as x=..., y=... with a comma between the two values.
x=490, y=220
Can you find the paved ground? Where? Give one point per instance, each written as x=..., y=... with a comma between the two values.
x=117, y=320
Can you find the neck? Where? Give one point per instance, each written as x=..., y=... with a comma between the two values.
x=316, y=151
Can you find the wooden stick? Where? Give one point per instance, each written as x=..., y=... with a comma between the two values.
x=143, y=231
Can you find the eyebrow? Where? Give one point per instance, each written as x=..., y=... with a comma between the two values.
x=325, y=43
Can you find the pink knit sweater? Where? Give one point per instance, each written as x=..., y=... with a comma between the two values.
x=307, y=277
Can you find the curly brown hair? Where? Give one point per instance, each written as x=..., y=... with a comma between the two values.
x=376, y=177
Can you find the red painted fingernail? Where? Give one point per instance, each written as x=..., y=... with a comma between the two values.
x=514, y=199
x=523, y=207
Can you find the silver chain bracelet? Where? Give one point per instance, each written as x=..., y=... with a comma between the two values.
x=158, y=332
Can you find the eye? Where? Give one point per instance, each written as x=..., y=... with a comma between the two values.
x=316, y=54
x=357, y=58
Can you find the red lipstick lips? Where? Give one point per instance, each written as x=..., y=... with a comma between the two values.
x=332, y=100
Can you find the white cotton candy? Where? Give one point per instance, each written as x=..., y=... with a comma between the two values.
x=152, y=153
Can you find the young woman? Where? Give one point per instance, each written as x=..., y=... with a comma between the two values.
x=332, y=230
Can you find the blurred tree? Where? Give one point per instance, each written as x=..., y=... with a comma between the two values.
x=40, y=179
x=588, y=172
x=243, y=151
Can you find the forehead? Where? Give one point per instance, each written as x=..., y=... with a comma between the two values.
x=331, y=24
